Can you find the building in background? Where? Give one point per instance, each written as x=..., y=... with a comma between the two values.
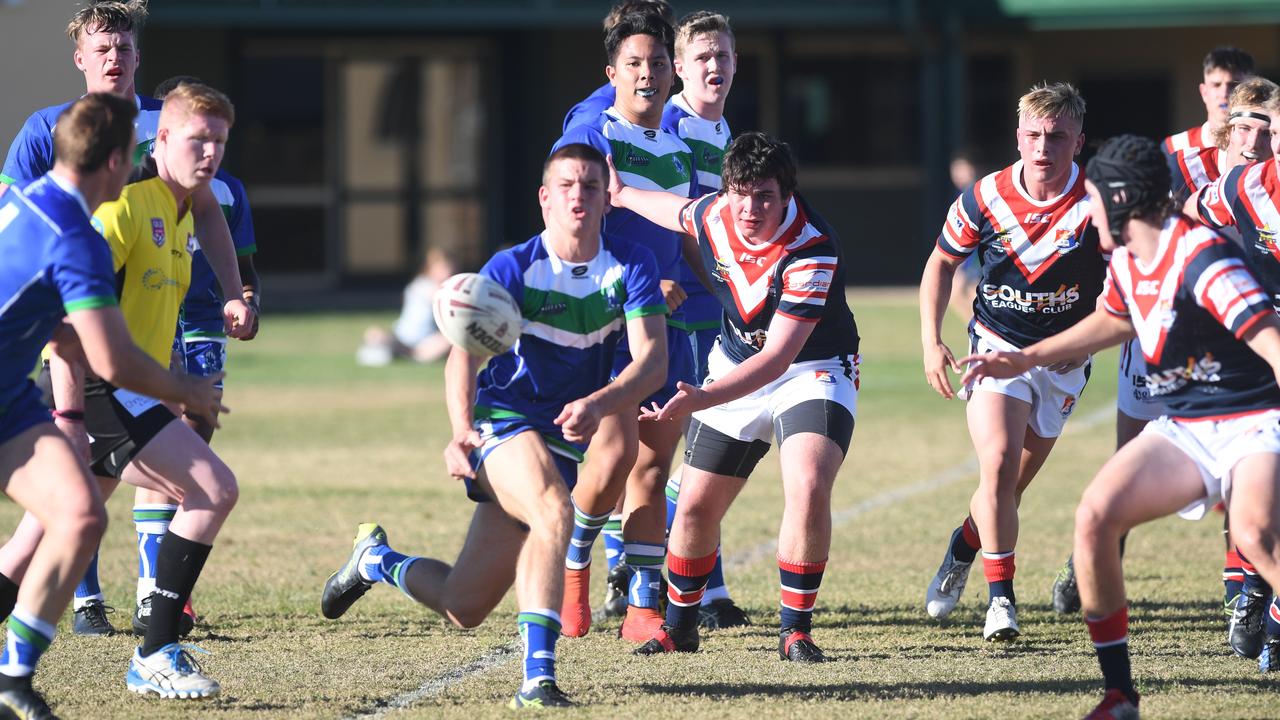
x=370, y=130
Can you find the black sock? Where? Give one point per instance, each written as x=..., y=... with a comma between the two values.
x=8, y=596
x=178, y=565
x=1116, y=673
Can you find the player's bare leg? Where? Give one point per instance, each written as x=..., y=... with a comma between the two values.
x=1147, y=479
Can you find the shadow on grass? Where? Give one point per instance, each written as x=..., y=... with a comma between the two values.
x=810, y=691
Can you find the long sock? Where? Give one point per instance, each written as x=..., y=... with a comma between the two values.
x=1254, y=584
x=613, y=544
x=999, y=568
x=539, y=629
x=966, y=544
x=716, y=589
x=29, y=637
x=586, y=528
x=178, y=566
x=382, y=564
x=800, y=582
x=8, y=596
x=646, y=584
x=151, y=522
x=673, y=494
x=1232, y=576
x=687, y=578
x=1273, y=618
x=1110, y=637
x=88, y=589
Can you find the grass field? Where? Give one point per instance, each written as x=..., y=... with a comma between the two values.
x=320, y=445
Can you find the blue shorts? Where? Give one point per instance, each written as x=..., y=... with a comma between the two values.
x=680, y=364
x=703, y=341
x=494, y=431
x=25, y=412
x=205, y=357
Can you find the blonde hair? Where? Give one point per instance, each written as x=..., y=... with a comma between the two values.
x=190, y=99
x=1257, y=92
x=702, y=22
x=109, y=16
x=1048, y=100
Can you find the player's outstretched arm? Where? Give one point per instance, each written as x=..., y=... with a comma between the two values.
x=460, y=397
x=111, y=354
x=660, y=208
x=787, y=337
x=935, y=293
x=1263, y=337
x=647, y=341
x=1099, y=330
x=220, y=251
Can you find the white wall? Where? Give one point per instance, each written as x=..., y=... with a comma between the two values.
x=36, y=70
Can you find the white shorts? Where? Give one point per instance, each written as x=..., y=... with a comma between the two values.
x=1132, y=397
x=751, y=417
x=1216, y=445
x=1052, y=395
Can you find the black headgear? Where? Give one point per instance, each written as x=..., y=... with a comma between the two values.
x=1132, y=177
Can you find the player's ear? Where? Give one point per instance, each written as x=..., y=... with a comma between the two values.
x=78, y=58
x=543, y=195
x=609, y=72
x=1079, y=143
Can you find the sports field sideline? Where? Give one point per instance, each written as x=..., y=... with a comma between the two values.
x=320, y=445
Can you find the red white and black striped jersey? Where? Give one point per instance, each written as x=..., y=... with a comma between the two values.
x=1041, y=265
x=1190, y=307
x=1248, y=197
x=797, y=273
x=1192, y=169
x=1200, y=136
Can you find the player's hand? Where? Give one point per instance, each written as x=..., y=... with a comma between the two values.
x=204, y=398
x=253, y=327
x=1067, y=366
x=76, y=435
x=457, y=454
x=937, y=358
x=579, y=420
x=238, y=318
x=673, y=294
x=688, y=400
x=616, y=185
x=997, y=364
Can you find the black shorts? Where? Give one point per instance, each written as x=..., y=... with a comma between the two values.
x=119, y=431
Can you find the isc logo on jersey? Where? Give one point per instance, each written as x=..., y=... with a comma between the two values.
x=1147, y=287
x=1048, y=303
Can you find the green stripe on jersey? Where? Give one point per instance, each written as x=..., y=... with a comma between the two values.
x=484, y=412
x=668, y=172
x=646, y=311
x=7, y=180
x=90, y=303
x=707, y=157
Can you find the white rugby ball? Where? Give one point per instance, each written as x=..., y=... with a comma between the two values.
x=477, y=314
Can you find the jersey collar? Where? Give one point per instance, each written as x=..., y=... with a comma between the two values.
x=71, y=190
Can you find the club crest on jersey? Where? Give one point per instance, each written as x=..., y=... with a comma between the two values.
x=680, y=168
x=1167, y=314
x=722, y=270
x=1266, y=241
x=1002, y=242
x=1065, y=241
x=1068, y=404
x=157, y=232
x=192, y=243
x=824, y=376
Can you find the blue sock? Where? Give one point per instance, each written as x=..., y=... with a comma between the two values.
x=88, y=589
x=382, y=564
x=646, y=584
x=716, y=589
x=151, y=522
x=539, y=629
x=613, y=540
x=29, y=637
x=673, y=494
x=1273, y=618
x=586, y=528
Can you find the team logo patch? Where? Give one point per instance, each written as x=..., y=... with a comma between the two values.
x=157, y=232
x=1002, y=242
x=722, y=270
x=193, y=245
x=1167, y=314
x=1068, y=404
x=680, y=168
x=1065, y=241
x=824, y=376
x=1266, y=240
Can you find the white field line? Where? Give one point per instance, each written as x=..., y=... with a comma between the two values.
x=738, y=559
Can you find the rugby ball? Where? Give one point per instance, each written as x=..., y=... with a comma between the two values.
x=477, y=314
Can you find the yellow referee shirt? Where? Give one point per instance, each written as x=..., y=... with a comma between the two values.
x=151, y=249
